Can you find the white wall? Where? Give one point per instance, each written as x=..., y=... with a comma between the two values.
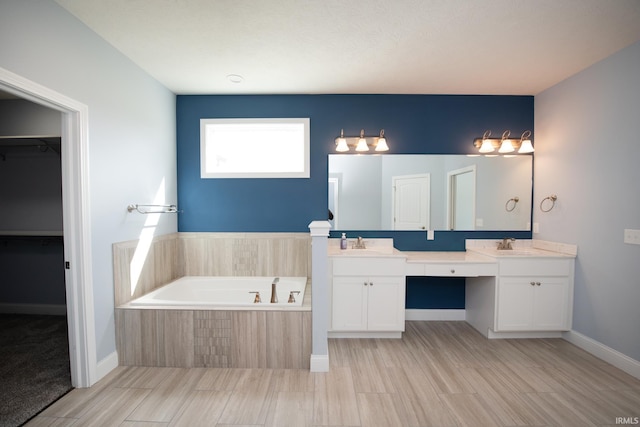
x=131, y=129
x=587, y=140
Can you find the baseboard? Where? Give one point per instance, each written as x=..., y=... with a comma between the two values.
x=106, y=365
x=319, y=363
x=365, y=334
x=609, y=355
x=439, y=314
x=523, y=334
x=50, y=309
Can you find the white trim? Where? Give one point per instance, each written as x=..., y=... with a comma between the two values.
x=76, y=221
x=523, y=334
x=609, y=355
x=107, y=365
x=319, y=363
x=50, y=309
x=365, y=334
x=439, y=314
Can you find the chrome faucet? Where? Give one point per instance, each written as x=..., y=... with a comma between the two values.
x=274, y=297
x=506, y=244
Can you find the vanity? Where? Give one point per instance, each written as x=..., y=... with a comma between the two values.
x=524, y=292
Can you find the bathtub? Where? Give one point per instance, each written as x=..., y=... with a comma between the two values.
x=227, y=292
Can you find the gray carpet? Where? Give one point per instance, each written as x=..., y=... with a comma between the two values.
x=34, y=365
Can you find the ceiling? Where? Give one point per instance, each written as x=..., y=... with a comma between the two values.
x=516, y=47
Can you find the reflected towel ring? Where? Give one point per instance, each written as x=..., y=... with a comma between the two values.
x=153, y=209
x=551, y=198
x=515, y=201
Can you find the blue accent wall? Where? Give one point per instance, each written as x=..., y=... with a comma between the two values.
x=413, y=124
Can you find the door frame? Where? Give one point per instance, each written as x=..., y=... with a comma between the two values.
x=76, y=221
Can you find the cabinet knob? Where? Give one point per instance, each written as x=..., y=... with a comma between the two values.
x=532, y=283
x=538, y=283
x=366, y=284
x=370, y=283
x=453, y=271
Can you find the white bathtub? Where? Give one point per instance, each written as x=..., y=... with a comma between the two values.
x=216, y=291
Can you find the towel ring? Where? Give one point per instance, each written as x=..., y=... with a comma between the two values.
x=511, y=202
x=552, y=198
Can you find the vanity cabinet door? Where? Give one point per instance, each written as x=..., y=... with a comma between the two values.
x=515, y=304
x=551, y=304
x=533, y=304
x=362, y=303
x=385, y=304
x=349, y=303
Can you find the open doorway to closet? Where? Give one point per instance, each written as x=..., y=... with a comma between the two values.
x=34, y=344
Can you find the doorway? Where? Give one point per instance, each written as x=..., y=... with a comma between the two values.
x=76, y=229
x=461, y=198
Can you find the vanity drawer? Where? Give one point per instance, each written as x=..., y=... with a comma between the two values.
x=368, y=266
x=460, y=269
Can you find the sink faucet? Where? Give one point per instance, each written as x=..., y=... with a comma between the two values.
x=506, y=244
x=274, y=297
x=359, y=244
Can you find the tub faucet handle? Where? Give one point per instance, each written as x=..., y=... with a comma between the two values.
x=257, y=299
x=292, y=299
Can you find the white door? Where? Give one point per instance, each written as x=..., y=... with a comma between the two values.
x=461, y=197
x=411, y=195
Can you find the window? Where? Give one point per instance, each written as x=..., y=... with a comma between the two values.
x=254, y=148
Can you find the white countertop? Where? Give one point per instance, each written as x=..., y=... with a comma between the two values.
x=334, y=251
x=478, y=251
x=528, y=252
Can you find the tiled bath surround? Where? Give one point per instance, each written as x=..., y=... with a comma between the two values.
x=212, y=338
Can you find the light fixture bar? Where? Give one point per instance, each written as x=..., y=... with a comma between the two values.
x=361, y=143
x=505, y=144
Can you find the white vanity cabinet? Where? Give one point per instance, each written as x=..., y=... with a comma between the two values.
x=534, y=294
x=368, y=295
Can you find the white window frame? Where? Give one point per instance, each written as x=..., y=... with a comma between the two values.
x=304, y=172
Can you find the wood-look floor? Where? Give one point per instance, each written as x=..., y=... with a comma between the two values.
x=438, y=374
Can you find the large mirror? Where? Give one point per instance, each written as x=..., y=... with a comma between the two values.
x=430, y=192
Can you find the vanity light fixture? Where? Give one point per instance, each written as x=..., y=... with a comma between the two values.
x=361, y=143
x=525, y=143
x=505, y=144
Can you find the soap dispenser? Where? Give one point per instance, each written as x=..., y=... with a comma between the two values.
x=343, y=241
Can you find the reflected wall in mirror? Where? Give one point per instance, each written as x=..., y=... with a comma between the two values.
x=430, y=191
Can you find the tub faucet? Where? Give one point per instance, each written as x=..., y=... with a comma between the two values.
x=506, y=243
x=274, y=297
